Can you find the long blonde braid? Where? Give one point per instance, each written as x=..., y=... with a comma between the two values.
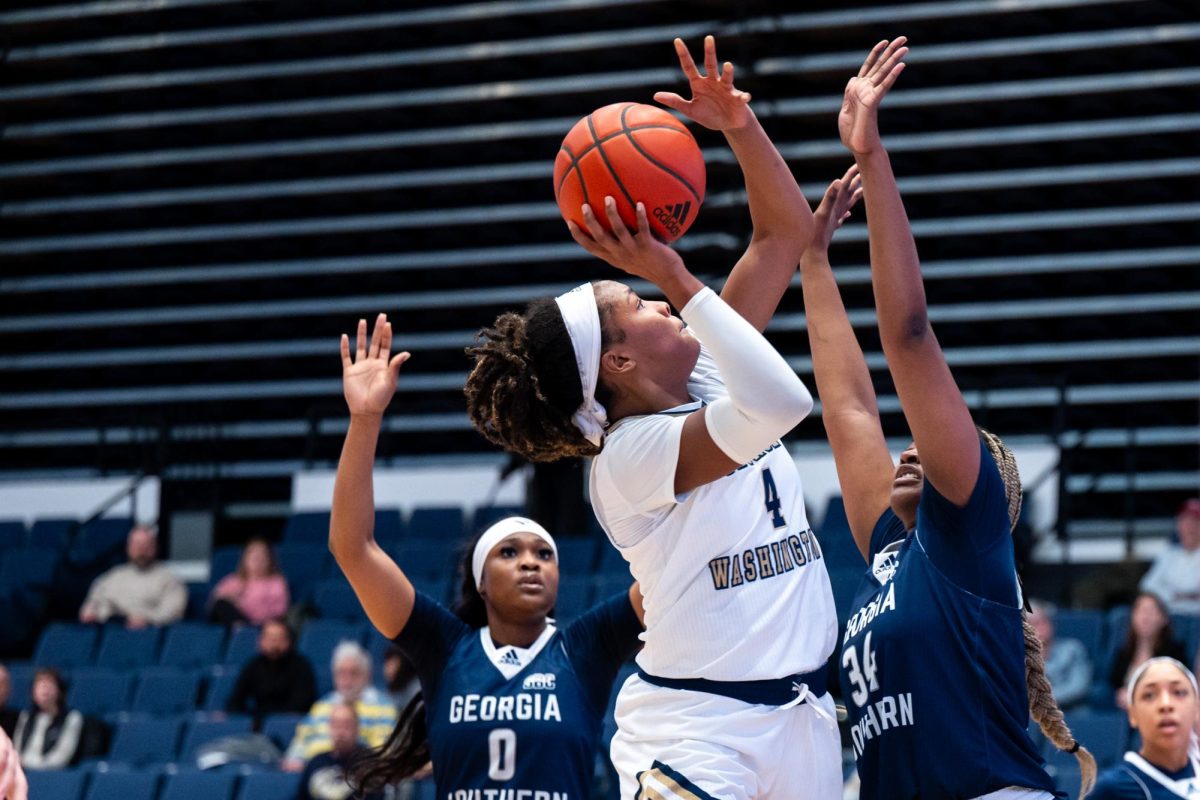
x=1042, y=705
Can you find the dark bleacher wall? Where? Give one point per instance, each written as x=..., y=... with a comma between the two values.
x=197, y=199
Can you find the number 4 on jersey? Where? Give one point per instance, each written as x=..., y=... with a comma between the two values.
x=772, y=501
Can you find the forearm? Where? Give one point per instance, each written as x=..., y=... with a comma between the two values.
x=840, y=369
x=352, y=518
x=895, y=269
x=777, y=206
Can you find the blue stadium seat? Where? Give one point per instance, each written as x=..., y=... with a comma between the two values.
x=307, y=527
x=224, y=560
x=425, y=557
x=208, y=785
x=101, y=542
x=269, y=786
x=243, y=646
x=29, y=566
x=165, y=690
x=611, y=562
x=280, y=728
x=1066, y=777
x=1104, y=733
x=121, y=648
x=844, y=582
x=65, y=646
x=440, y=523
x=1087, y=626
x=12, y=534
x=52, y=534
x=336, y=600
x=303, y=565
x=576, y=556
x=202, y=731
x=145, y=741
x=21, y=676
x=840, y=551
x=122, y=786
x=389, y=525
x=197, y=599
x=484, y=516
x=833, y=521
x=443, y=588
x=219, y=688
x=320, y=637
x=608, y=585
x=192, y=645
x=98, y=691
x=574, y=598
x=56, y=784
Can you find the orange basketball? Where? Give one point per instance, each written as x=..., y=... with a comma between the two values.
x=635, y=153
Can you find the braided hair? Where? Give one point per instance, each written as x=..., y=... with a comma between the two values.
x=525, y=386
x=1042, y=705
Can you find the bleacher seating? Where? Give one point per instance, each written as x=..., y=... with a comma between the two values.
x=202, y=731
x=165, y=690
x=98, y=691
x=190, y=645
x=140, y=742
x=442, y=523
x=198, y=786
x=243, y=646
x=56, y=784
x=122, y=648
x=269, y=786
x=66, y=645
x=121, y=785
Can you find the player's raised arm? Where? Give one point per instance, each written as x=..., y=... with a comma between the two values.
x=782, y=219
x=368, y=381
x=941, y=424
x=848, y=406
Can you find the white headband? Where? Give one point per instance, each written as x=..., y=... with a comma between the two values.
x=502, y=530
x=582, y=317
x=1137, y=674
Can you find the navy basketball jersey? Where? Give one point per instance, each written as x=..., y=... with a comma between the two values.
x=1139, y=779
x=522, y=720
x=933, y=660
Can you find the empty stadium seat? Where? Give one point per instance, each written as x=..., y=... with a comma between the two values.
x=389, y=525
x=198, y=786
x=56, y=784
x=99, y=691
x=574, y=598
x=52, y=534
x=224, y=561
x=12, y=534
x=220, y=687
x=243, y=646
x=335, y=599
x=576, y=555
x=202, y=731
x=443, y=523
x=1104, y=733
x=64, y=645
x=484, y=516
x=121, y=648
x=269, y=786
x=28, y=566
x=319, y=637
x=425, y=557
x=122, y=786
x=101, y=542
x=280, y=728
x=145, y=741
x=165, y=690
x=308, y=527
x=303, y=565
x=1087, y=626
x=192, y=645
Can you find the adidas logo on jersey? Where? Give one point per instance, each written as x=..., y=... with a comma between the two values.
x=539, y=680
x=510, y=658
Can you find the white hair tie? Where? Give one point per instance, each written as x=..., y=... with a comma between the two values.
x=582, y=318
x=502, y=530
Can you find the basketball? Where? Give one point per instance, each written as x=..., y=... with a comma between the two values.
x=635, y=153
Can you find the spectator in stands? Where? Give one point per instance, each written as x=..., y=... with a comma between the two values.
x=1162, y=701
x=352, y=684
x=254, y=593
x=1150, y=634
x=1175, y=574
x=278, y=680
x=1068, y=666
x=13, y=785
x=400, y=676
x=325, y=776
x=48, y=733
x=142, y=592
x=8, y=715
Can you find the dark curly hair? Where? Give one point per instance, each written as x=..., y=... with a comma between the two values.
x=525, y=386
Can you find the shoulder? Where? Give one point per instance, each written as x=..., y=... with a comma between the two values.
x=1118, y=783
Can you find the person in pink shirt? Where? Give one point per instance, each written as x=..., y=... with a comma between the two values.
x=256, y=592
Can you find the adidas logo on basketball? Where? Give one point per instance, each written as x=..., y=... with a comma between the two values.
x=673, y=217
x=539, y=680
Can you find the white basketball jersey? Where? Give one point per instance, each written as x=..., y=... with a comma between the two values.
x=734, y=583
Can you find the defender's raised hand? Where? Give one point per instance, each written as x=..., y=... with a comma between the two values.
x=840, y=197
x=715, y=103
x=858, y=122
x=369, y=380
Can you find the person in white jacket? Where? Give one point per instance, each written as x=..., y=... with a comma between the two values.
x=1175, y=574
x=141, y=592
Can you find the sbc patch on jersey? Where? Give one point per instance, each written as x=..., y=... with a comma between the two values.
x=539, y=680
x=884, y=566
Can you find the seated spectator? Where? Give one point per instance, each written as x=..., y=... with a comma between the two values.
x=140, y=593
x=1150, y=635
x=1175, y=574
x=276, y=681
x=1068, y=666
x=255, y=593
x=325, y=776
x=8, y=715
x=47, y=735
x=351, y=680
x=400, y=676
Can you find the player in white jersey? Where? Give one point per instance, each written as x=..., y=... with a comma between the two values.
x=690, y=481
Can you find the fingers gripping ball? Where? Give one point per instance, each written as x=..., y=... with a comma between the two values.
x=635, y=153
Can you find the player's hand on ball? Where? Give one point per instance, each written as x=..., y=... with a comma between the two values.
x=858, y=121
x=715, y=102
x=840, y=197
x=641, y=254
x=369, y=380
